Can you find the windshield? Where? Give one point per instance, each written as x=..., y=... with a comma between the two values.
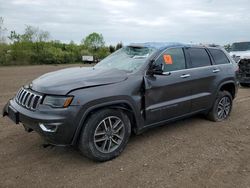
x=240, y=46
x=129, y=58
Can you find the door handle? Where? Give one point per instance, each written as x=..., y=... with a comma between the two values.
x=216, y=70
x=185, y=75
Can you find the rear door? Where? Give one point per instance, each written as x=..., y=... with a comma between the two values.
x=203, y=76
x=168, y=96
x=221, y=63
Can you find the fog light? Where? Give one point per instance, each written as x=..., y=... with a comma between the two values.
x=51, y=127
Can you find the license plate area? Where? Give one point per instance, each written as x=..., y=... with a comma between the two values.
x=13, y=114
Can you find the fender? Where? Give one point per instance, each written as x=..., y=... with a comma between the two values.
x=226, y=82
x=112, y=104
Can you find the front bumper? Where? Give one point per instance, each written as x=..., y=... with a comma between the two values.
x=56, y=126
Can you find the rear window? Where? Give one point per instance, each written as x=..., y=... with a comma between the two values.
x=199, y=57
x=219, y=56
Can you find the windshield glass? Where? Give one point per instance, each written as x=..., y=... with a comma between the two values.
x=129, y=58
x=240, y=46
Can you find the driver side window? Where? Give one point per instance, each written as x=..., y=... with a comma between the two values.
x=172, y=59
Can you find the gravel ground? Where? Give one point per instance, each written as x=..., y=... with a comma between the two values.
x=190, y=153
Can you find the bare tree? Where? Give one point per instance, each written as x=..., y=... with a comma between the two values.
x=34, y=34
x=2, y=31
x=43, y=35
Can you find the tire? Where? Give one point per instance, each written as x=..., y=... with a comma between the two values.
x=222, y=107
x=245, y=85
x=101, y=142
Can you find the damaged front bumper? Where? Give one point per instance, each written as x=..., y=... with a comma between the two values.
x=56, y=126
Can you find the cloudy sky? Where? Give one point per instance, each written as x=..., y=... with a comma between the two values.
x=206, y=21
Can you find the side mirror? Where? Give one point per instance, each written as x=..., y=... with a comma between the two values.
x=156, y=69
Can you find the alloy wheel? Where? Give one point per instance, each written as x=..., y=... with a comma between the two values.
x=109, y=134
x=224, y=107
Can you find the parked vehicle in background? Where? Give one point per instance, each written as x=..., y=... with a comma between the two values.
x=89, y=59
x=136, y=88
x=240, y=51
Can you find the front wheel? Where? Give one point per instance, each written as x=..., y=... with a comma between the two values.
x=105, y=135
x=222, y=107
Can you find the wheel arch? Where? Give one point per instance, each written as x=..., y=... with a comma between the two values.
x=123, y=105
x=228, y=86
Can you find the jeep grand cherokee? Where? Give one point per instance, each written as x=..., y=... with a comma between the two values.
x=138, y=87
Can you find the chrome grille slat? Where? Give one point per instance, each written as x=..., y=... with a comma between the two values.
x=20, y=94
x=28, y=99
x=39, y=101
x=24, y=96
x=36, y=102
x=32, y=102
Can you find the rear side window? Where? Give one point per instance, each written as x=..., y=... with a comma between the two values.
x=219, y=56
x=199, y=57
x=172, y=59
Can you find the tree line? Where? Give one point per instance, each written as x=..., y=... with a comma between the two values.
x=34, y=46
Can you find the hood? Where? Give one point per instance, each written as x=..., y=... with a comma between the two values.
x=241, y=54
x=63, y=81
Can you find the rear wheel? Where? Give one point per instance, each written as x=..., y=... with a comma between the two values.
x=222, y=107
x=105, y=135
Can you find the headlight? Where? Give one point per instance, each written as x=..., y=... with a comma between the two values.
x=58, y=101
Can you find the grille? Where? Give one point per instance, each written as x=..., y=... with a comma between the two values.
x=28, y=99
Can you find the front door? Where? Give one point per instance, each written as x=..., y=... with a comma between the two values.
x=168, y=96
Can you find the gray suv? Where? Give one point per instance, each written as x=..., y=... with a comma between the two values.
x=136, y=88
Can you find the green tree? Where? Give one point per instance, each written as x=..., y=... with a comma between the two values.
x=86, y=52
x=102, y=53
x=94, y=41
x=111, y=48
x=33, y=47
x=14, y=37
x=118, y=46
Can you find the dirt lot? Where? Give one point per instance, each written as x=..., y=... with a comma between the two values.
x=189, y=153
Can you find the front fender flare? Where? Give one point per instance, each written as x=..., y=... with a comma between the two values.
x=112, y=104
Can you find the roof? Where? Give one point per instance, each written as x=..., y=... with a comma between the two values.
x=159, y=45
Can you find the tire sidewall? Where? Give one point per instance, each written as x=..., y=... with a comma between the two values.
x=222, y=94
x=87, y=138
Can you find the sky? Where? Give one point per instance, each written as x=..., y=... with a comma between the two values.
x=191, y=21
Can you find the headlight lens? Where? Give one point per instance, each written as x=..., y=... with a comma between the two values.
x=58, y=101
